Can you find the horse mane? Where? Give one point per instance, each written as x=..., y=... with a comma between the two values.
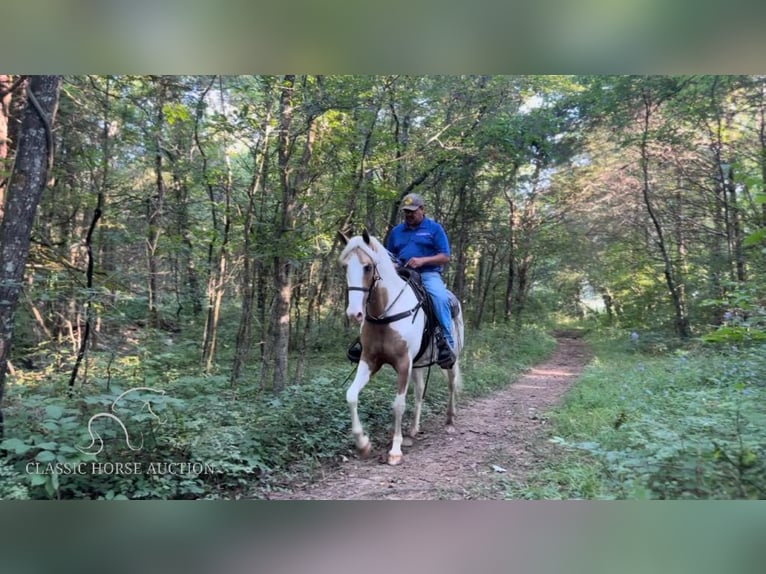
x=374, y=250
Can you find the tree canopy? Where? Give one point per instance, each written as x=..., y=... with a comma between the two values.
x=176, y=200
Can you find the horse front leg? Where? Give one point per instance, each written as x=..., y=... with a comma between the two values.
x=400, y=402
x=362, y=441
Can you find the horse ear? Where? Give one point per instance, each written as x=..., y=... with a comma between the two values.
x=342, y=237
x=366, y=237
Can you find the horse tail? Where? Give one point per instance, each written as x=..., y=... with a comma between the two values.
x=458, y=378
x=458, y=329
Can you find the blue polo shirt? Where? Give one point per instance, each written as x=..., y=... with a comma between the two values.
x=425, y=240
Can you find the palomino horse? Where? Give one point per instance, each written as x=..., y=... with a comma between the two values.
x=393, y=322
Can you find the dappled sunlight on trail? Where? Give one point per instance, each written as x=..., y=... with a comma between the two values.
x=539, y=373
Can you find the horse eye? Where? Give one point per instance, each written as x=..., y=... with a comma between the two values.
x=367, y=268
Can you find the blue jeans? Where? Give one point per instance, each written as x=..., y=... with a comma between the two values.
x=432, y=281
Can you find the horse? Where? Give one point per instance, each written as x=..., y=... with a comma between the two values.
x=393, y=323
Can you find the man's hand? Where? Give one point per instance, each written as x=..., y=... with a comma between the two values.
x=415, y=262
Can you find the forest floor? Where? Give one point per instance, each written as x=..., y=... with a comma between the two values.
x=501, y=434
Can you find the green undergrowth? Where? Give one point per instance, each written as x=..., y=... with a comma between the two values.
x=150, y=426
x=650, y=418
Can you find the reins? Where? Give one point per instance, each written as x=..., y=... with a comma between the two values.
x=382, y=319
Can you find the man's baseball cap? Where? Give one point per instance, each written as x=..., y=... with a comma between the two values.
x=412, y=201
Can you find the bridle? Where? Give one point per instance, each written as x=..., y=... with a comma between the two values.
x=371, y=288
x=382, y=318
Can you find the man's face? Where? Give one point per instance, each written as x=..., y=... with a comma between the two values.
x=413, y=217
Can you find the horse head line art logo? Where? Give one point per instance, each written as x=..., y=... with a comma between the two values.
x=94, y=435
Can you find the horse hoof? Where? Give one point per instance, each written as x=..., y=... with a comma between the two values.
x=408, y=440
x=450, y=429
x=364, y=451
x=394, y=459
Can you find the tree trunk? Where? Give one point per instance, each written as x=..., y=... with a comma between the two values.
x=101, y=186
x=13, y=99
x=401, y=135
x=88, y=319
x=520, y=297
x=762, y=140
x=488, y=276
x=364, y=175
x=106, y=245
x=478, y=288
x=459, y=249
x=217, y=282
x=681, y=321
x=718, y=263
x=154, y=208
x=608, y=299
x=251, y=267
x=6, y=85
x=511, y=275
x=217, y=260
x=311, y=296
x=285, y=237
x=510, y=278
x=279, y=322
x=736, y=228
x=186, y=278
x=34, y=159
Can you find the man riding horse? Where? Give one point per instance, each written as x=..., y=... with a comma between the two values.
x=394, y=331
x=420, y=243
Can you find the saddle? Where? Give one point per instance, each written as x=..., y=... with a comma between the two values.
x=413, y=278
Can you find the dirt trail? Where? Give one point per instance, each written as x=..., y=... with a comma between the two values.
x=504, y=426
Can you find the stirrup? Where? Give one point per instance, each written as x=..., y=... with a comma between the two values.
x=445, y=358
x=354, y=352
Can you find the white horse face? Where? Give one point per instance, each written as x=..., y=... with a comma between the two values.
x=359, y=277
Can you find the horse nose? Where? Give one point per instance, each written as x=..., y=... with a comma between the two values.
x=356, y=316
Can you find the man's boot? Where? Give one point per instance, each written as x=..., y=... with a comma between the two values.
x=355, y=351
x=445, y=358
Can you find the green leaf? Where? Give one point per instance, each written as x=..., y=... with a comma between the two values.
x=39, y=479
x=45, y=456
x=15, y=445
x=54, y=412
x=754, y=238
x=52, y=426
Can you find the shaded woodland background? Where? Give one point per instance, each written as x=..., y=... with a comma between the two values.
x=203, y=211
x=222, y=195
